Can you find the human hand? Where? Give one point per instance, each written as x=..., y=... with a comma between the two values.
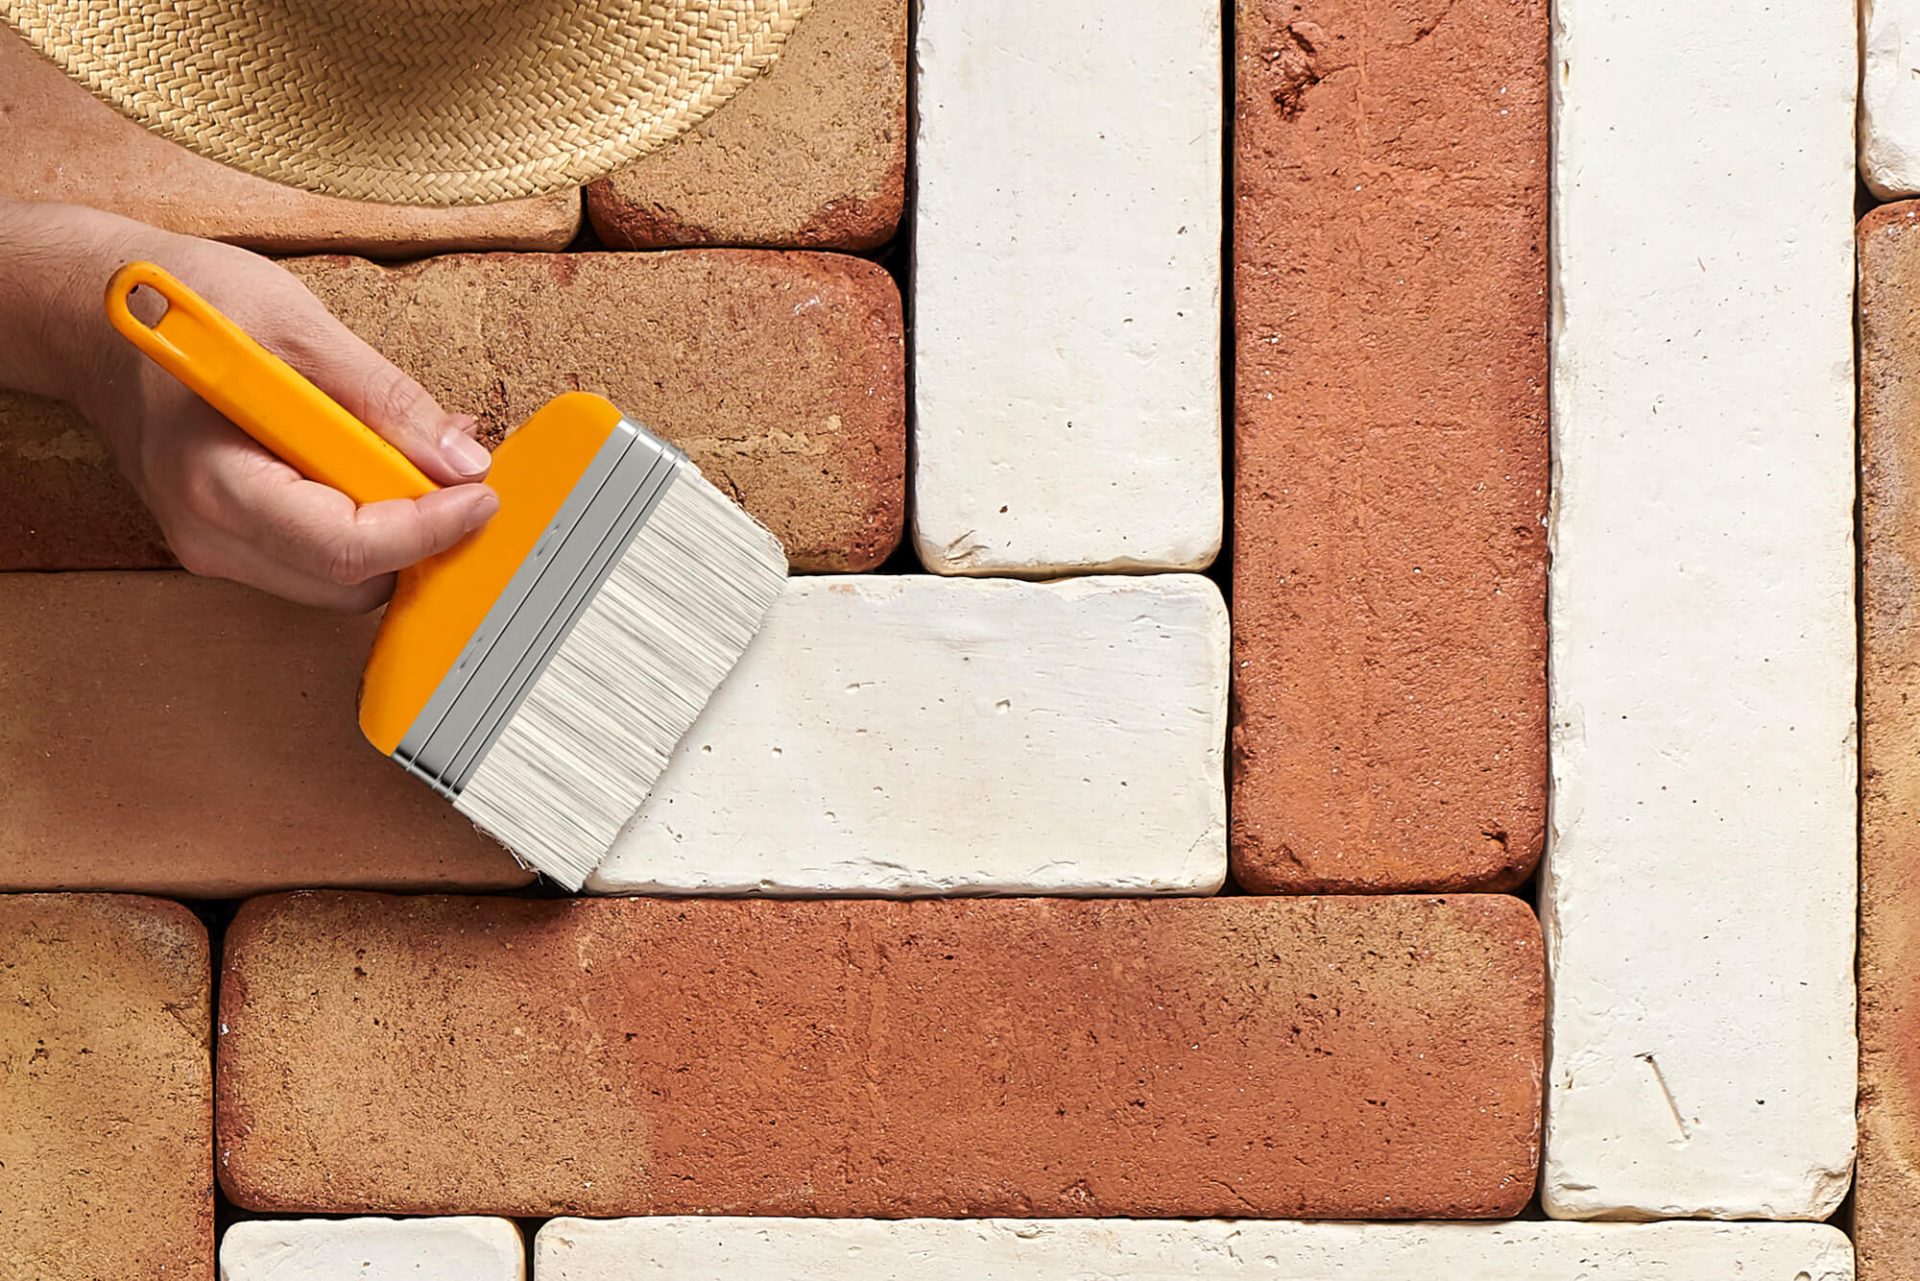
x=229, y=508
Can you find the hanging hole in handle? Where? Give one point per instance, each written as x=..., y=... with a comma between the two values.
x=148, y=305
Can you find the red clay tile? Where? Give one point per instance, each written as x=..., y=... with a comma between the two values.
x=63, y=504
x=106, y=1089
x=782, y=375
x=1391, y=479
x=63, y=144
x=187, y=736
x=813, y=154
x=1886, y=1224
x=1358, y=1057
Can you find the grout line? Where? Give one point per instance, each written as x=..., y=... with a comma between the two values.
x=1222, y=569
x=1864, y=202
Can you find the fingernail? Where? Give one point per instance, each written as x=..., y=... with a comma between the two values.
x=467, y=455
x=482, y=510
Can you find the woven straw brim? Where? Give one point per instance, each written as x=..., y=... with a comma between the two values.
x=413, y=101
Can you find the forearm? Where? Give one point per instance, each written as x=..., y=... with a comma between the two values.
x=54, y=264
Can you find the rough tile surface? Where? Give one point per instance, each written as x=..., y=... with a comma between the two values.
x=780, y=374
x=1890, y=96
x=911, y=734
x=452, y=1249
x=1067, y=287
x=188, y=736
x=63, y=144
x=1698, y=893
x=1391, y=477
x=63, y=503
x=106, y=1089
x=1269, y=1057
x=811, y=154
x=1886, y=1209
x=1056, y=1250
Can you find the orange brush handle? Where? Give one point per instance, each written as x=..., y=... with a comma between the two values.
x=262, y=394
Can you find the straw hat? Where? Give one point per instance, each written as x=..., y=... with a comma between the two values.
x=413, y=101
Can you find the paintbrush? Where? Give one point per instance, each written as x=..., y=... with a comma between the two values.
x=540, y=673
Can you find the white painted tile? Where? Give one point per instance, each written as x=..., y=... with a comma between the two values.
x=1066, y=285
x=903, y=734
x=1698, y=890
x=697, y=1249
x=1890, y=96
x=449, y=1249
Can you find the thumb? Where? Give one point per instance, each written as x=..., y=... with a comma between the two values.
x=379, y=394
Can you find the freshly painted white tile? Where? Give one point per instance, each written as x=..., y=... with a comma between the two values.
x=450, y=1249
x=1066, y=285
x=1890, y=96
x=686, y=1249
x=1698, y=890
x=905, y=734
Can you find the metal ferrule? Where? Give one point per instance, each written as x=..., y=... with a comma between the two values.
x=478, y=696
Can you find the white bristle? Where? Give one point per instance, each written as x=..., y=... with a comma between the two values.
x=586, y=746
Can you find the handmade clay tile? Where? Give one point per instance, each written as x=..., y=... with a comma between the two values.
x=106, y=1089
x=453, y=1249
x=1351, y=1058
x=1066, y=287
x=909, y=734
x=187, y=736
x=1065, y=1250
x=1698, y=893
x=812, y=154
x=1390, y=488
x=1886, y=1206
x=782, y=375
x=62, y=144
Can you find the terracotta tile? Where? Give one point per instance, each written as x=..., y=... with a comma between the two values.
x=1389, y=551
x=63, y=144
x=812, y=154
x=1887, y=1188
x=1362, y=1057
x=106, y=1087
x=188, y=736
x=63, y=503
x=781, y=375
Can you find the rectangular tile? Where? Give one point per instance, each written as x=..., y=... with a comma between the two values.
x=812, y=153
x=1066, y=287
x=186, y=736
x=449, y=1249
x=781, y=375
x=62, y=144
x=1390, y=482
x=906, y=734
x=1357, y=1057
x=63, y=503
x=682, y=1249
x=1886, y=1207
x=1890, y=97
x=1698, y=891
x=106, y=1087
